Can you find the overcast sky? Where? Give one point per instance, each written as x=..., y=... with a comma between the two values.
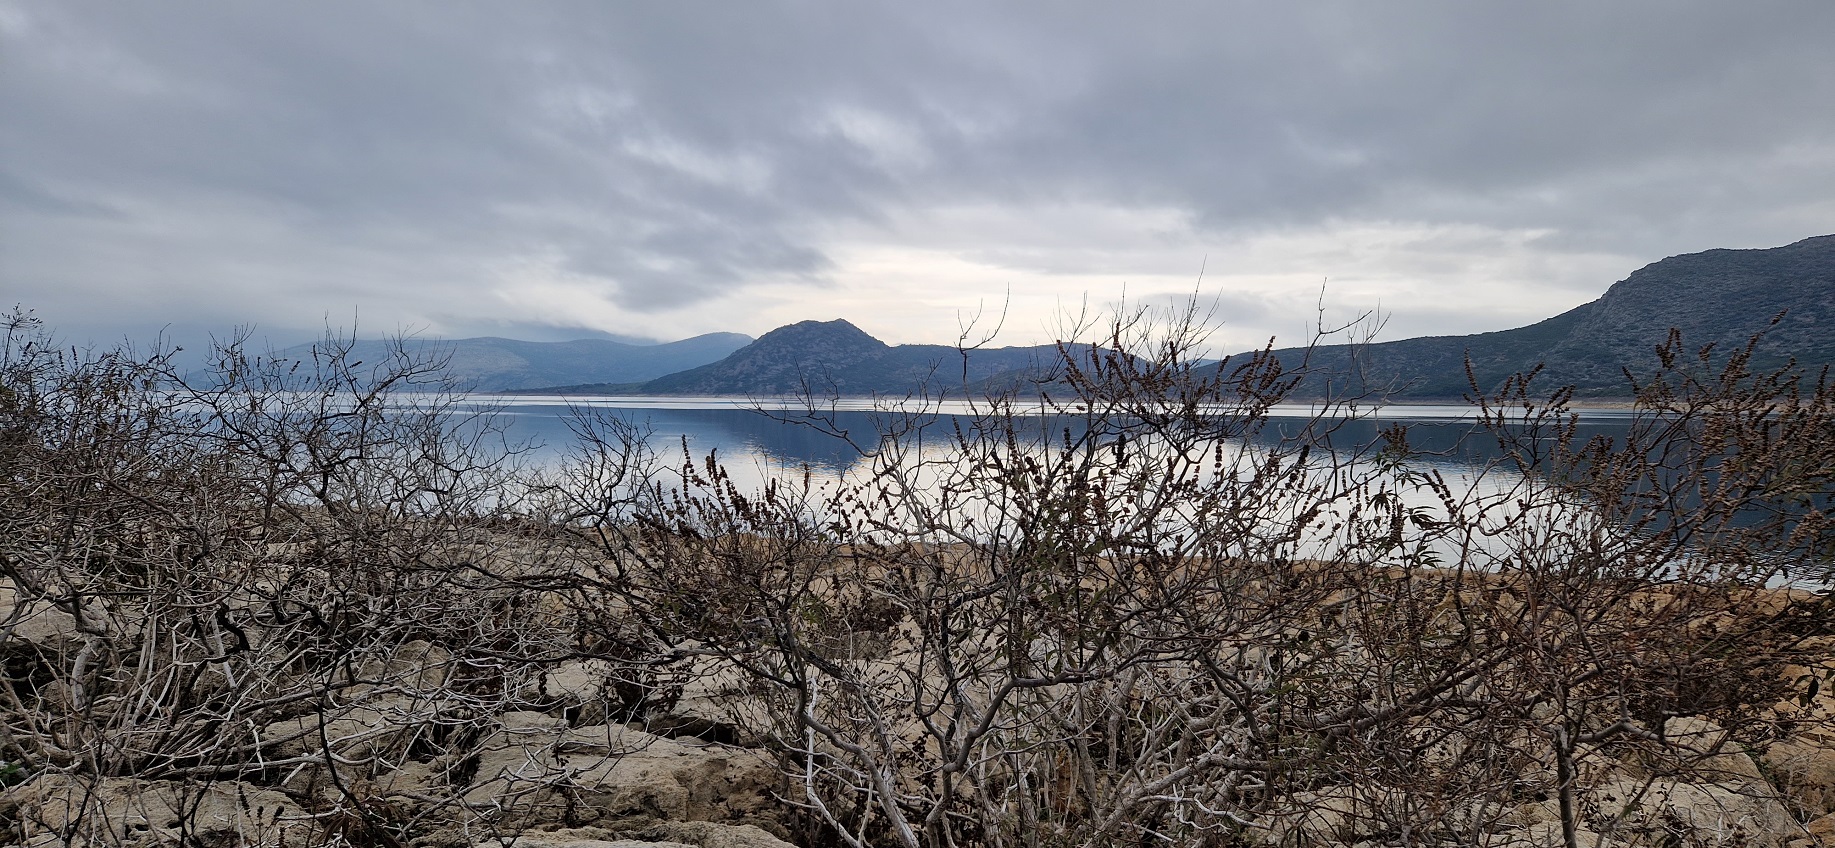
x=550, y=170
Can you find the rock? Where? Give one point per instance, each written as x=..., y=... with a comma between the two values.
x=714, y=706
x=576, y=682
x=1318, y=818
x=664, y=835
x=129, y=811
x=1688, y=815
x=360, y=731
x=536, y=769
x=1351, y=814
x=428, y=779
x=1819, y=833
x=1810, y=708
x=517, y=760
x=40, y=642
x=394, y=701
x=1804, y=767
x=1706, y=750
x=38, y=623
x=1547, y=834
x=637, y=773
x=562, y=840
x=529, y=842
x=714, y=835
x=417, y=666
x=1535, y=813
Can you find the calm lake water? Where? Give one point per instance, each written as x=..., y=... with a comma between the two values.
x=750, y=433
x=756, y=443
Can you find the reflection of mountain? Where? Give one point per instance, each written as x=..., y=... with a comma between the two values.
x=1437, y=440
x=736, y=431
x=756, y=447
x=732, y=433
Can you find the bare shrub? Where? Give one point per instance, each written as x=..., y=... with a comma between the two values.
x=282, y=573
x=1132, y=601
x=1137, y=607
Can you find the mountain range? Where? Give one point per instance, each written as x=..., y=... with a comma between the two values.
x=492, y=364
x=838, y=358
x=1718, y=297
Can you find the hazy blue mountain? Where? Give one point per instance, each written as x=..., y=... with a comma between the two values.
x=835, y=357
x=494, y=364
x=1721, y=297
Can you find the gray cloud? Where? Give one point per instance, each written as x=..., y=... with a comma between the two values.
x=653, y=167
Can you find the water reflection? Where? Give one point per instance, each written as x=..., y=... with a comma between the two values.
x=1440, y=435
x=1485, y=498
x=746, y=433
x=738, y=435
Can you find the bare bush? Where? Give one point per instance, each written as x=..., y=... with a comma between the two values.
x=1135, y=601
x=1137, y=608
x=276, y=574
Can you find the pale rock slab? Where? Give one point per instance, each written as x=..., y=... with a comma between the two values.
x=536, y=765
x=128, y=811
x=1688, y=815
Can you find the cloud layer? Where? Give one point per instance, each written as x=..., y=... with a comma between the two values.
x=549, y=169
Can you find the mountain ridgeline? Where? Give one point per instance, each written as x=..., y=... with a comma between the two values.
x=494, y=365
x=836, y=357
x=1718, y=297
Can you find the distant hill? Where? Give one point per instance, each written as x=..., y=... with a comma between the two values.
x=1717, y=296
x=495, y=365
x=1721, y=297
x=834, y=357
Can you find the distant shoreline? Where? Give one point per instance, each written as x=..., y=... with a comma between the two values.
x=866, y=402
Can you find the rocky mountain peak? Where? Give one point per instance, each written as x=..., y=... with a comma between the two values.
x=817, y=339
